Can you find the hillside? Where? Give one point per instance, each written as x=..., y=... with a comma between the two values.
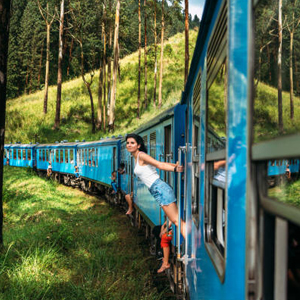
x=25, y=121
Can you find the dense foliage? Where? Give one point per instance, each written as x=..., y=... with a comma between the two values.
x=27, y=46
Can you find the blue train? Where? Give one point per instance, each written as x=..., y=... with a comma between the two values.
x=242, y=235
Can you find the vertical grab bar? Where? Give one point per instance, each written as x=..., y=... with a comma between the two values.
x=160, y=209
x=180, y=150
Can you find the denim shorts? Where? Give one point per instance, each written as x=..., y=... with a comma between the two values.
x=162, y=192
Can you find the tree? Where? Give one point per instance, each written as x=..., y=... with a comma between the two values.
x=59, y=69
x=139, y=73
x=145, y=55
x=161, y=55
x=292, y=26
x=115, y=70
x=279, y=65
x=4, y=31
x=48, y=20
x=155, y=55
x=186, y=67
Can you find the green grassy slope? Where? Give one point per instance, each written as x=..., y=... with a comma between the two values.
x=25, y=117
x=60, y=243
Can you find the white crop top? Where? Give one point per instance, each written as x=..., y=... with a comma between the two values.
x=147, y=173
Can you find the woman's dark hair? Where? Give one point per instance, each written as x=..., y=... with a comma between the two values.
x=139, y=141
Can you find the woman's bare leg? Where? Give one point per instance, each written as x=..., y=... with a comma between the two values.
x=171, y=211
x=130, y=204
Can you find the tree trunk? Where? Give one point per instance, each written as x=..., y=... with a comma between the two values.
x=161, y=55
x=291, y=77
x=109, y=61
x=145, y=57
x=4, y=30
x=187, y=57
x=139, y=75
x=100, y=86
x=155, y=56
x=48, y=27
x=104, y=78
x=280, y=120
x=59, y=71
x=47, y=69
x=115, y=70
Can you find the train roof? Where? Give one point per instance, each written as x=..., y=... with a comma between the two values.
x=17, y=145
x=200, y=43
x=108, y=140
x=58, y=145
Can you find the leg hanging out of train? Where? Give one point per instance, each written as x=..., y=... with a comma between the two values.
x=171, y=211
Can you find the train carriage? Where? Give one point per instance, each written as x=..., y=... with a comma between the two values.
x=97, y=160
x=243, y=236
x=20, y=155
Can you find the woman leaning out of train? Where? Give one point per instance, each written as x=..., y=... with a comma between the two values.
x=145, y=169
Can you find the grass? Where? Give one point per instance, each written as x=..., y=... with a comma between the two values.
x=266, y=113
x=25, y=121
x=60, y=243
x=287, y=193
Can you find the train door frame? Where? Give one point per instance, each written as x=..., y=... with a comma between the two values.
x=167, y=151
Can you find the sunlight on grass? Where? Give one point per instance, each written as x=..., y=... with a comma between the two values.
x=62, y=244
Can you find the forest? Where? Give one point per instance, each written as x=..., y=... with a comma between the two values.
x=54, y=41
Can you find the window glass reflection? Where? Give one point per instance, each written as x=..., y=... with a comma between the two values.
x=284, y=180
x=277, y=69
x=217, y=103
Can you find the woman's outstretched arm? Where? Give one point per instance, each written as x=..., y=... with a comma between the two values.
x=165, y=166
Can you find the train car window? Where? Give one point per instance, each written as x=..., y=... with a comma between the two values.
x=61, y=156
x=72, y=156
x=29, y=154
x=93, y=157
x=56, y=155
x=96, y=158
x=24, y=154
x=4, y=153
x=47, y=154
x=15, y=153
x=85, y=157
x=19, y=154
x=145, y=139
x=276, y=80
x=195, y=151
x=90, y=157
x=114, y=158
x=153, y=144
x=215, y=211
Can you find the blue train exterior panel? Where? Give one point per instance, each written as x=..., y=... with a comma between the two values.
x=62, y=157
x=217, y=269
x=20, y=155
x=97, y=160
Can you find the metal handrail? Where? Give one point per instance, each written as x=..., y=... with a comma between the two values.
x=180, y=150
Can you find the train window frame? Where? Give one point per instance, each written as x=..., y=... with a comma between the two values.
x=24, y=154
x=216, y=59
x=196, y=151
x=29, y=154
x=153, y=144
x=19, y=154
